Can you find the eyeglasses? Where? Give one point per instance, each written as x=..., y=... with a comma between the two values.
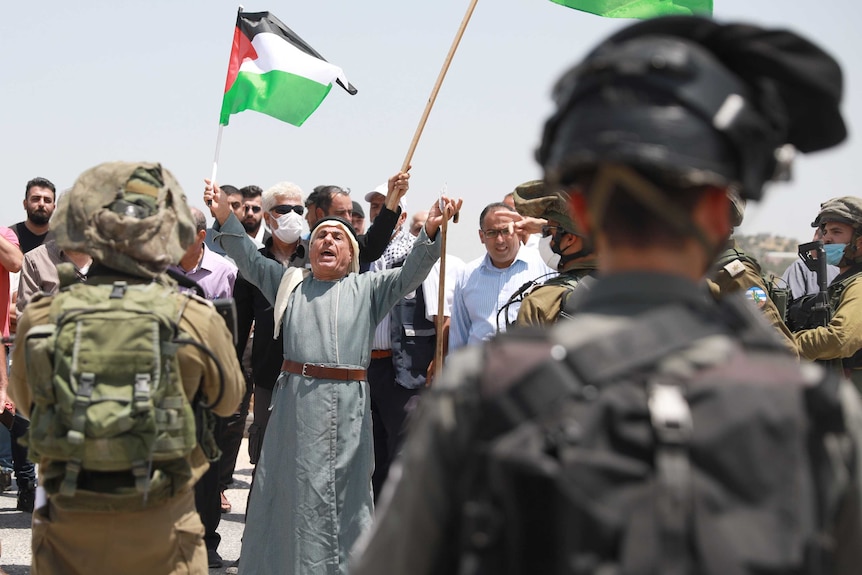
x=255, y=209
x=287, y=208
x=492, y=234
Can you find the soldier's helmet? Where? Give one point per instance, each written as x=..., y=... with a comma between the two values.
x=847, y=210
x=690, y=102
x=536, y=200
x=131, y=217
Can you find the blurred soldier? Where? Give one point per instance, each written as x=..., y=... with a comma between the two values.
x=102, y=509
x=562, y=247
x=735, y=271
x=658, y=430
x=840, y=221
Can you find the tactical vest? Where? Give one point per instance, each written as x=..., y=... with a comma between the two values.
x=666, y=444
x=414, y=340
x=110, y=415
x=836, y=293
x=572, y=280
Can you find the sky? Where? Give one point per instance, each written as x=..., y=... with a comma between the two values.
x=89, y=82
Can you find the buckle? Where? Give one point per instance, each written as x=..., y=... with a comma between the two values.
x=304, y=367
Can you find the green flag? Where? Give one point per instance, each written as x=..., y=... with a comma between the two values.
x=640, y=8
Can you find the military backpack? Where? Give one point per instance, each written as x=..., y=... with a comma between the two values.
x=109, y=410
x=660, y=445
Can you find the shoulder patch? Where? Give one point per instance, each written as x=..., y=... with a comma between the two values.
x=735, y=268
x=757, y=294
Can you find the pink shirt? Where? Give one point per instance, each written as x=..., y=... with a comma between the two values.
x=4, y=283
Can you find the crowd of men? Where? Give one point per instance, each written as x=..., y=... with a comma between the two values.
x=618, y=372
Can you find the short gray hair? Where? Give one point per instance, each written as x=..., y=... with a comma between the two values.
x=284, y=189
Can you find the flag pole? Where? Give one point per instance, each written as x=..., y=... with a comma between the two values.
x=217, y=152
x=220, y=128
x=437, y=85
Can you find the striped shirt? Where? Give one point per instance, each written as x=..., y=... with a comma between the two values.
x=482, y=289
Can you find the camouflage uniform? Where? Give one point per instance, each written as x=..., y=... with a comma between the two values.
x=87, y=533
x=738, y=272
x=842, y=338
x=543, y=304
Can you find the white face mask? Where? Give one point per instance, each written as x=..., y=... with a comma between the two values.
x=551, y=259
x=289, y=227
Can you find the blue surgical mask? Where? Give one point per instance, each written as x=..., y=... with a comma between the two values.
x=834, y=253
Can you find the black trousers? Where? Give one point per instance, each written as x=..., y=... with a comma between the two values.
x=208, y=499
x=229, y=438
x=388, y=414
x=25, y=470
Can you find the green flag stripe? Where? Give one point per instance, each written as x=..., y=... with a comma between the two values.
x=287, y=97
x=640, y=8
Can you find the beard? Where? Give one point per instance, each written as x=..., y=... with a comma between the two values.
x=250, y=227
x=39, y=218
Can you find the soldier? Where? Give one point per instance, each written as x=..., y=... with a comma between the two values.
x=104, y=509
x=562, y=247
x=735, y=271
x=642, y=436
x=840, y=221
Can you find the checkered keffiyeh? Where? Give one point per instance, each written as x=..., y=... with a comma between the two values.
x=396, y=252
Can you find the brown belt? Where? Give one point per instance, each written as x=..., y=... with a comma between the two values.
x=381, y=353
x=322, y=371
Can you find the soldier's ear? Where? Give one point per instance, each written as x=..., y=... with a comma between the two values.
x=580, y=212
x=712, y=214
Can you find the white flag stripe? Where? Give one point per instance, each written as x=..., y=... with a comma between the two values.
x=275, y=53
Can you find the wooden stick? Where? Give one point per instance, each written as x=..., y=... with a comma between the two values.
x=436, y=88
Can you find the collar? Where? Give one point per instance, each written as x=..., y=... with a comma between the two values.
x=519, y=257
x=635, y=292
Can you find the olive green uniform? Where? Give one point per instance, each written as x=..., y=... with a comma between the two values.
x=842, y=338
x=740, y=274
x=167, y=538
x=542, y=306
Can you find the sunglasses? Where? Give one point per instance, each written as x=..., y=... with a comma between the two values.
x=255, y=209
x=287, y=208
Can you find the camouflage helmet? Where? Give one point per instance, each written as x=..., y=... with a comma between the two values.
x=535, y=200
x=131, y=217
x=847, y=210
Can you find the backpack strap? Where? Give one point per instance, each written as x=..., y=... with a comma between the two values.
x=75, y=435
x=671, y=420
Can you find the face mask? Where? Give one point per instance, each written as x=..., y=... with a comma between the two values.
x=834, y=253
x=289, y=227
x=547, y=252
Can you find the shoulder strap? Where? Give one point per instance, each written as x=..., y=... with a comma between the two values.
x=572, y=300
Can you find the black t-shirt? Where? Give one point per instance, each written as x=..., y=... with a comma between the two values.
x=26, y=238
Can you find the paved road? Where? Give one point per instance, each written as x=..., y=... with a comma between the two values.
x=15, y=525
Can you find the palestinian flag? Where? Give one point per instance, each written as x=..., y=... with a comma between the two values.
x=274, y=72
x=642, y=9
